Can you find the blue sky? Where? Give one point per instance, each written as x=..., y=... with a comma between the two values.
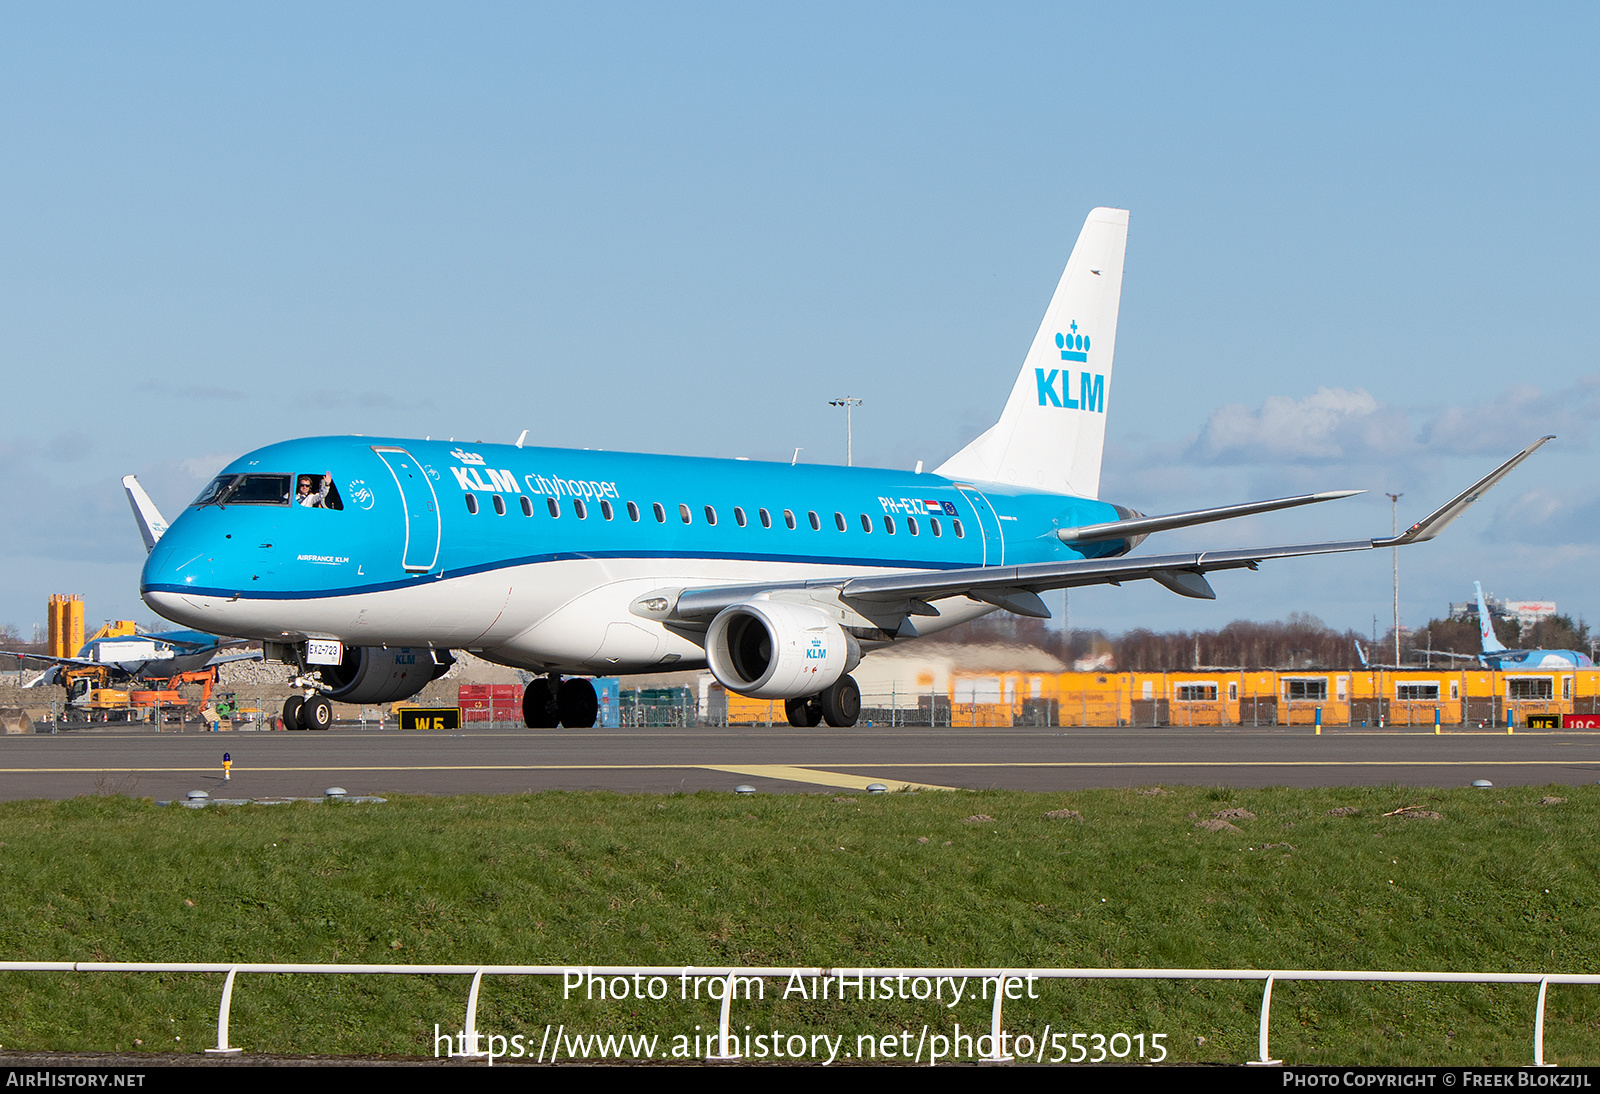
x=1362, y=254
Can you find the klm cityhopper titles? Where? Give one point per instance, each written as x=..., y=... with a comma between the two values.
x=363, y=562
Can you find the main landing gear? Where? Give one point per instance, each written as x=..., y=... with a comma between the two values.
x=550, y=701
x=839, y=706
x=307, y=712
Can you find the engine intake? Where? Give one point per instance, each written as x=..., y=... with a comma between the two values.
x=769, y=649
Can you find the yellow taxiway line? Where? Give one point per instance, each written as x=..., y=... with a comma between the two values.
x=821, y=778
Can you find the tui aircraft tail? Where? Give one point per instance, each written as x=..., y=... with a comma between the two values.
x=1491, y=644
x=1053, y=428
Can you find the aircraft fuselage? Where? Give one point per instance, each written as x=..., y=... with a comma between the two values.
x=533, y=556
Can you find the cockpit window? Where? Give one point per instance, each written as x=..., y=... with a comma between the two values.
x=317, y=492
x=246, y=490
x=214, y=490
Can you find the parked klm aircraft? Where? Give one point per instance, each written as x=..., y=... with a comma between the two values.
x=363, y=562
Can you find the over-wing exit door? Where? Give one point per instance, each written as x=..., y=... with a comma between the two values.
x=421, y=509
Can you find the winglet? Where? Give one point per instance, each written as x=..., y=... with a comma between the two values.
x=151, y=524
x=1440, y=518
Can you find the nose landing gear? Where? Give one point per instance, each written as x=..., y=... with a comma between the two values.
x=307, y=712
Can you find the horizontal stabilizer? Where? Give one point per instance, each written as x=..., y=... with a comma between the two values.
x=1143, y=526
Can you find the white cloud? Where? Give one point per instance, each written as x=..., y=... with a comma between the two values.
x=1331, y=424
x=1518, y=415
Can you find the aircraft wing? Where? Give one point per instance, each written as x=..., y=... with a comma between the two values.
x=242, y=655
x=1017, y=588
x=82, y=662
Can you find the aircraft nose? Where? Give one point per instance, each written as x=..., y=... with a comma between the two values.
x=172, y=571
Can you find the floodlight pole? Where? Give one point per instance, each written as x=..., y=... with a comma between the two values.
x=848, y=402
x=1394, y=502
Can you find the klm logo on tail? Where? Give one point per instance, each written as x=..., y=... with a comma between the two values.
x=1091, y=386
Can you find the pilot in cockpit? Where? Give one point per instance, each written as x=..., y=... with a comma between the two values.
x=312, y=495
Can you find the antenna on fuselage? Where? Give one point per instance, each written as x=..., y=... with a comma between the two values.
x=795, y=458
x=522, y=438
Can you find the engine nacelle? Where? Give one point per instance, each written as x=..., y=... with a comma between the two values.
x=370, y=674
x=769, y=649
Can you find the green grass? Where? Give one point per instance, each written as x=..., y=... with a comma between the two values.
x=1500, y=883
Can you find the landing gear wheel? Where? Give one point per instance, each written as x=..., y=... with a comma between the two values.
x=316, y=713
x=841, y=704
x=803, y=713
x=539, y=705
x=291, y=712
x=579, y=706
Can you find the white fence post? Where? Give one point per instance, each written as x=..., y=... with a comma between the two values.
x=222, y=1048
x=1538, y=1026
x=1266, y=1008
x=469, y=1046
x=997, y=1056
x=722, y=1052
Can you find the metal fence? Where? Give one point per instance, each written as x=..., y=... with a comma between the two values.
x=731, y=978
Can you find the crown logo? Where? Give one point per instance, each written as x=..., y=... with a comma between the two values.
x=1074, y=346
x=467, y=457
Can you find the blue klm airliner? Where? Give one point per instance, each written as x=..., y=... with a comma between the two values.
x=363, y=562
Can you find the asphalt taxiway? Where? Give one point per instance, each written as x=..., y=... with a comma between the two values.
x=510, y=761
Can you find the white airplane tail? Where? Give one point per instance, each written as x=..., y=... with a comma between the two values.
x=1052, y=431
x=151, y=524
x=1491, y=644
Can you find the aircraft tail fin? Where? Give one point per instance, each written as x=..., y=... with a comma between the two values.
x=1361, y=653
x=151, y=524
x=1491, y=644
x=1051, y=434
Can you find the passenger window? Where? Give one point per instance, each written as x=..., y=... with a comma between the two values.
x=499, y=505
x=555, y=509
x=960, y=532
x=933, y=523
x=838, y=519
x=711, y=516
x=683, y=511
x=605, y=509
x=816, y=525
x=766, y=518
x=527, y=506
x=911, y=525
x=788, y=518
x=472, y=504
x=661, y=514
x=866, y=523
x=738, y=516
x=579, y=508
x=888, y=524
x=633, y=511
